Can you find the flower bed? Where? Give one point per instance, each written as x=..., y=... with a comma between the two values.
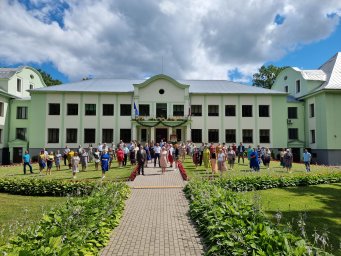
x=182, y=171
x=134, y=173
x=231, y=225
x=39, y=187
x=80, y=227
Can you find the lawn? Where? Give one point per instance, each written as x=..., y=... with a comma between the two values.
x=115, y=173
x=318, y=206
x=18, y=212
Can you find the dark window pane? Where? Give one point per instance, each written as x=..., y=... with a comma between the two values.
x=196, y=135
x=264, y=136
x=89, y=135
x=54, y=109
x=72, y=109
x=230, y=136
x=248, y=136
x=247, y=111
x=293, y=133
x=264, y=111
x=178, y=110
x=292, y=112
x=71, y=135
x=312, y=110
x=108, y=109
x=90, y=109
x=22, y=113
x=161, y=110
x=213, y=110
x=53, y=136
x=107, y=135
x=21, y=133
x=125, y=135
x=196, y=110
x=230, y=110
x=144, y=110
x=125, y=110
x=213, y=135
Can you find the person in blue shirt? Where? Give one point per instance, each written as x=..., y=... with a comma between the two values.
x=105, y=163
x=27, y=161
x=307, y=159
x=254, y=162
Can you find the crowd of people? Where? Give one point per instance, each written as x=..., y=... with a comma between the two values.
x=214, y=157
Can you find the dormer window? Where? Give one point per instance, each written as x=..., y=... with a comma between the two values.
x=32, y=76
x=298, y=86
x=285, y=78
x=286, y=88
x=18, y=85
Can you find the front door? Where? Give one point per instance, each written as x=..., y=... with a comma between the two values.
x=161, y=134
x=296, y=152
x=17, y=155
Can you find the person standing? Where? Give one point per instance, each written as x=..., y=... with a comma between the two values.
x=267, y=158
x=69, y=157
x=74, y=164
x=201, y=153
x=57, y=160
x=141, y=159
x=254, y=162
x=307, y=159
x=84, y=159
x=221, y=162
x=65, y=154
x=287, y=159
x=196, y=156
x=206, y=158
x=42, y=161
x=241, y=150
x=163, y=160
x=231, y=156
x=121, y=156
x=125, y=151
x=91, y=153
x=105, y=162
x=97, y=157
x=176, y=156
x=157, y=152
x=49, y=161
x=27, y=161
x=213, y=158
x=171, y=155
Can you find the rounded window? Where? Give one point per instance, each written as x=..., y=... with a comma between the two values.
x=32, y=76
x=286, y=77
x=161, y=91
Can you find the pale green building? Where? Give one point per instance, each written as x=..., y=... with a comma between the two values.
x=314, y=104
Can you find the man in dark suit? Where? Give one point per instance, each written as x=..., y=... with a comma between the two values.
x=240, y=152
x=141, y=159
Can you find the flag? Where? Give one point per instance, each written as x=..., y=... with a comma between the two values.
x=136, y=110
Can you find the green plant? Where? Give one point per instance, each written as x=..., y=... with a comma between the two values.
x=81, y=227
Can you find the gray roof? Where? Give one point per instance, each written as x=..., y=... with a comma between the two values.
x=333, y=70
x=6, y=73
x=127, y=86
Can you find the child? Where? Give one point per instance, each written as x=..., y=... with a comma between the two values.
x=57, y=159
x=50, y=160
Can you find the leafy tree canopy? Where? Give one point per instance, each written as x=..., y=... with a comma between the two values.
x=48, y=78
x=266, y=76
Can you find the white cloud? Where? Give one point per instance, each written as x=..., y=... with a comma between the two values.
x=195, y=39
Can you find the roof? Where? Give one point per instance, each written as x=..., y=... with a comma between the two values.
x=332, y=68
x=292, y=99
x=6, y=73
x=127, y=86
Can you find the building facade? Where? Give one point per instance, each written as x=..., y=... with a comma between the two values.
x=300, y=111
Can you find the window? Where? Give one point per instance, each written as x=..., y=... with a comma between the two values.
x=72, y=109
x=52, y=135
x=264, y=110
x=230, y=136
x=213, y=135
x=143, y=134
x=1, y=109
x=90, y=135
x=20, y=133
x=213, y=110
x=293, y=133
x=312, y=110
x=21, y=112
x=71, y=135
x=178, y=135
x=125, y=110
x=107, y=135
x=125, y=135
x=196, y=135
x=230, y=110
x=90, y=109
x=18, y=85
x=264, y=136
x=248, y=136
x=286, y=88
x=247, y=111
x=292, y=112
x=144, y=110
x=54, y=109
x=298, y=86
x=31, y=86
x=285, y=77
x=108, y=109
x=178, y=110
x=161, y=110
x=196, y=110
x=312, y=136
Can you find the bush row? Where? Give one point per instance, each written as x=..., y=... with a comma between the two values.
x=41, y=187
x=231, y=225
x=267, y=182
x=81, y=227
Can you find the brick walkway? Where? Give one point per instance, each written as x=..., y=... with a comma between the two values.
x=155, y=220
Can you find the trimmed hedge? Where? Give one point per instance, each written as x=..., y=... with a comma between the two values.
x=81, y=227
x=267, y=182
x=231, y=225
x=40, y=187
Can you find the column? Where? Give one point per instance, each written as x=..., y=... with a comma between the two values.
x=152, y=134
x=170, y=132
x=134, y=132
x=188, y=132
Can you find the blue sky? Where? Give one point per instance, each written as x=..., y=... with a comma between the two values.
x=219, y=39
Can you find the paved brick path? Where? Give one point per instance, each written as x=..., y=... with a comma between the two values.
x=155, y=220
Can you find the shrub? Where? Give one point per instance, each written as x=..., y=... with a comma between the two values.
x=81, y=227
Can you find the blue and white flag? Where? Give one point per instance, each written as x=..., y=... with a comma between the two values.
x=136, y=110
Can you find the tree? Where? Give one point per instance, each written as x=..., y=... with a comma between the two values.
x=48, y=78
x=266, y=76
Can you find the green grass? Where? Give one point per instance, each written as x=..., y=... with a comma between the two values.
x=318, y=205
x=243, y=170
x=18, y=212
x=115, y=173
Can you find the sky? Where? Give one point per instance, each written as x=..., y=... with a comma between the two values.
x=193, y=39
